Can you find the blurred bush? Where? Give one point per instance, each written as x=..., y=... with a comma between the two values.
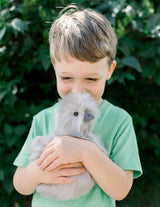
x=27, y=82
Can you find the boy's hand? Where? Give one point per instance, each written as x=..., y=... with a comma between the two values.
x=62, y=150
x=26, y=179
x=61, y=174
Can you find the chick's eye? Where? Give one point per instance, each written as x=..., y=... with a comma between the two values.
x=75, y=113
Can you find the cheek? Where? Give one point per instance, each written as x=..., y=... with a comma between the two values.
x=62, y=88
x=97, y=90
x=99, y=87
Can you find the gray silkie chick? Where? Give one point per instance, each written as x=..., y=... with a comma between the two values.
x=76, y=116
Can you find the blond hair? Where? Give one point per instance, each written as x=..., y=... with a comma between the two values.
x=85, y=35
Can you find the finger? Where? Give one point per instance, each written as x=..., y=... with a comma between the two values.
x=71, y=165
x=46, y=155
x=46, y=152
x=66, y=180
x=48, y=161
x=55, y=164
x=53, y=142
x=72, y=171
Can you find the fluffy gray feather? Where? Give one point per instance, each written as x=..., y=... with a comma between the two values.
x=76, y=117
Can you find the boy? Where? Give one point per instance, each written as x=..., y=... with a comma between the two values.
x=82, y=50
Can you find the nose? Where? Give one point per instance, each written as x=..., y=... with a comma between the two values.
x=78, y=87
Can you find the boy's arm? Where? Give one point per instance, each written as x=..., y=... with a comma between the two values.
x=113, y=180
x=28, y=178
x=110, y=177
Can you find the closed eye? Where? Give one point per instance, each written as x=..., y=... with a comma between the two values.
x=92, y=79
x=66, y=78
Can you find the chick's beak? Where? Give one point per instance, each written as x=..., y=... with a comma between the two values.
x=88, y=116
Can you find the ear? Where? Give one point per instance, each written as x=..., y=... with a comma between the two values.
x=52, y=63
x=111, y=70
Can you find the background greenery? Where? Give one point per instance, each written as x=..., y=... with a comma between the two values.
x=27, y=82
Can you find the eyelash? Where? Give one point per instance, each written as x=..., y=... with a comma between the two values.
x=89, y=79
x=92, y=79
x=65, y=78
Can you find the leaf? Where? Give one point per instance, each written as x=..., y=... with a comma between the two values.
x=148, y=52
x=11, y=140
x=26, y=45
x=4, y=12
x=8, y=185
x=157, y=79
x=8, y=129
x=102, y=7
x=44, y=57
x=149, y=70
x=20, y=130
x=158, y=50
x=2, y=50
x=1, y=175
x=137, y=25
x=2, y=95
x=2, y=33
x=132, y=62
x=129, y=76
x=46, y=63
x=19, y=25
x=125, y=49
x=153, y=21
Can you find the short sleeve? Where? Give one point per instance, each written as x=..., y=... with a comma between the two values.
x=125, y=150
x=42, y=124
x=22, y=159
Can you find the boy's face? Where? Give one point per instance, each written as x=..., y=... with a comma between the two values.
x=78, y=76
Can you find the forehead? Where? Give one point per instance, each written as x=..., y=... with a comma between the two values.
x=81, y=67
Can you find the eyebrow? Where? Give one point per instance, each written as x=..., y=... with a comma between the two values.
x=91, y=74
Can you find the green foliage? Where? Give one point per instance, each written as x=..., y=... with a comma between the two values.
x=27, y=82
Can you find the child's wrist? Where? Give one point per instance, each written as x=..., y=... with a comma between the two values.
x=90, y=149
x=34, y=173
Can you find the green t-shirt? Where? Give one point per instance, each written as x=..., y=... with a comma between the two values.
x=115, y=128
